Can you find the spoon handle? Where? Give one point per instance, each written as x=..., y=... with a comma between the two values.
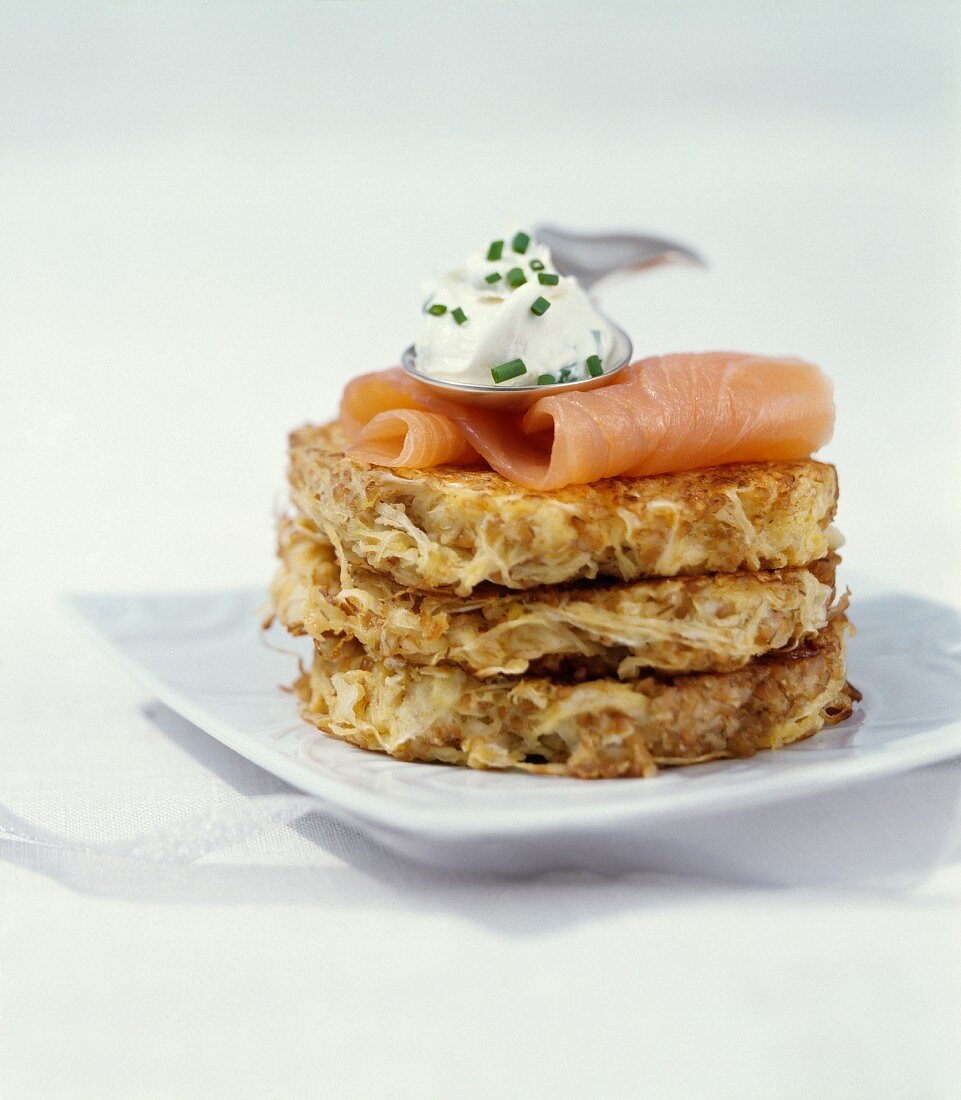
x=590, y=257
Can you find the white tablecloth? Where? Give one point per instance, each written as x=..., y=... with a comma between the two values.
x=211, y=217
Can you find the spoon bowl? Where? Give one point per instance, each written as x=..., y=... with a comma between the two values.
x=521, y=397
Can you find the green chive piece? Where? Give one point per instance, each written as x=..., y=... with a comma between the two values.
x=513, y=369
x=540, y=306
x=547, y=279
x=437, y=310
x=516, y=277
x=459, y=315
x=565, y=375
x=594, y=367
x=520, y=243
x=493, y=277
x=545, y=380
x=536, y=265
x=495, y=250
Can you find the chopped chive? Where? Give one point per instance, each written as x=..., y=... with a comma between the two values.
x=493, y=277
x=536, y=265
x=540, y=306
x=545, y=380
x=520, y=243
x=495, y=250
x=565, y=375
x=437, y=310
x=459, y=315
x=505, y=371
x=547, y=279
x=516, y=277
x=594, y=367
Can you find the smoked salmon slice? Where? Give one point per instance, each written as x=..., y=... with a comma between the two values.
x=659, y=415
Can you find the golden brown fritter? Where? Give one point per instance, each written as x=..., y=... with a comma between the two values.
x=593, y=729
x=453, y=529
x=717, y=622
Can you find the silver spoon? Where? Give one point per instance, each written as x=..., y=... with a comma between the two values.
x=589, y=257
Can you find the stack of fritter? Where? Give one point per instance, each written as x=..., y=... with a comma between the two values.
x=594, y=631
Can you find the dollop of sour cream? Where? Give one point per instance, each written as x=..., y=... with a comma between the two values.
x=508, y=317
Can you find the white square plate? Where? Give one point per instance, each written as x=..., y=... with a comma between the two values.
x=204, y=656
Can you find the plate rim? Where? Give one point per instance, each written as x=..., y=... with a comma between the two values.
x=401, y=818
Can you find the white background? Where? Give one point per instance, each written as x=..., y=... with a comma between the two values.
x=213, y=214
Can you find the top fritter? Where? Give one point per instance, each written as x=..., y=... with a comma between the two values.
x=452, y=529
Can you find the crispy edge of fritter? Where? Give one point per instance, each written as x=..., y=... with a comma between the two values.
x=591, y=730
x=716, y=622
x=452, y=528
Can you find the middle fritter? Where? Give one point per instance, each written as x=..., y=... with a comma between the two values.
x=709, y=623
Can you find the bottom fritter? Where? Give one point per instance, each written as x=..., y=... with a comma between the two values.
x=593, y=729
